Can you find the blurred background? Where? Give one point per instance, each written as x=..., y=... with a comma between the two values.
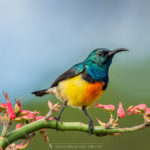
x=39, y=40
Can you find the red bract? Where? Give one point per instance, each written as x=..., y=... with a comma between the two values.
x=44, y=135
x=19, y=125
x=42, y=117
x=26, y=112
x=10, y=111
x=27, y=115
x=132, y=111
x=39, y=117
x=105, y=107
x=141, y=107
x=100, y=122
x=148, y=112
x=138, y=109
x=22, y=145
x=121, y=113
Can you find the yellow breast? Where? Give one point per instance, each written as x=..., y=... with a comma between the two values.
x=79, y=92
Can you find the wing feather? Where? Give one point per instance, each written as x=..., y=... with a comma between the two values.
x=72, y=72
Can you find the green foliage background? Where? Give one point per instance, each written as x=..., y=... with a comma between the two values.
x=129, y=88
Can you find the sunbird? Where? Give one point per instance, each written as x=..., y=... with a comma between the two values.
x=84, y=83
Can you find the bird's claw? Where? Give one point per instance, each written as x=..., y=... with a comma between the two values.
x=57, y=119
x=91, y=127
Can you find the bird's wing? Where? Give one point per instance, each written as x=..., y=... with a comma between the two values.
x=73, y=71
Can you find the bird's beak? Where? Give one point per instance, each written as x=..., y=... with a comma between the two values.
x=113, y=52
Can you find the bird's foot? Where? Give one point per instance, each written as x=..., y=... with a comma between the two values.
x=57, y=119
x=91, y=127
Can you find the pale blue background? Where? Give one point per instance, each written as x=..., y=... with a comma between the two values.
x=40, y=39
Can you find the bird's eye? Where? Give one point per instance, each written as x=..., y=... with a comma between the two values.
x=100, y=53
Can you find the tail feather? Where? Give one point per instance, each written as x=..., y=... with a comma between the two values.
x=40, y=93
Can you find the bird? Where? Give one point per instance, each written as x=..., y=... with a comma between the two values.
x=84, y=83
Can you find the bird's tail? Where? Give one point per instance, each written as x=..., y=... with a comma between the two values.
x=40, y=93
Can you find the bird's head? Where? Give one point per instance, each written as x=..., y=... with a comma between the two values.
x=102, y=56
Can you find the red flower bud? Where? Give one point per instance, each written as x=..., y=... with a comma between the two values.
x=138, y=109
x=19, y=125
x=141, y=107
x=105, y=107
x=120, y=111
x=10, y=111
x=22, y=145
x=26, y=115
x=42, y=117
x=148, y=112
x=39, y=117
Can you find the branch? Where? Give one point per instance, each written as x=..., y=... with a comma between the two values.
x=6, y=126
x=30, y=123
x=65, y=126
